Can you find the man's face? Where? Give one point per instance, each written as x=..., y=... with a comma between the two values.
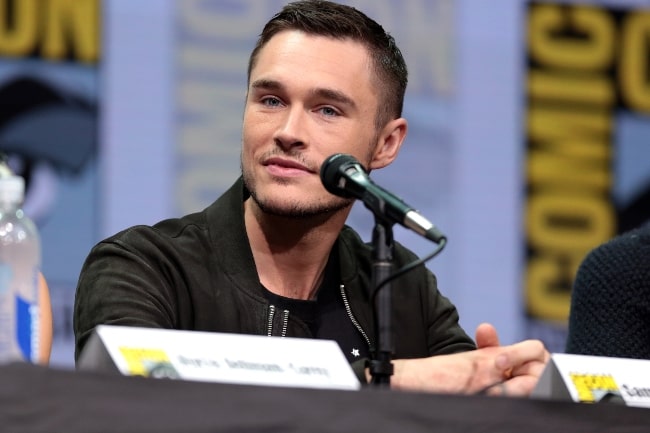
x=309, y=97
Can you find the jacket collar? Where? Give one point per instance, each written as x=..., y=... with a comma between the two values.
x=228, y=236
x=229, y=239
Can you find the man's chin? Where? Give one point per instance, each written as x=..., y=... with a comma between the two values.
x=298, y=210
x=280, y=202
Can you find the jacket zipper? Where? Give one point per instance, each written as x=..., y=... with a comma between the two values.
x=285, y=321
x=351, y=316
x=269, y=326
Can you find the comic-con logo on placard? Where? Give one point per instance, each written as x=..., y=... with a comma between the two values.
x=148, y=362
x=593, y=388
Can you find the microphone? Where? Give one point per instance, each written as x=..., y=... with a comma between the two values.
x=344, y=176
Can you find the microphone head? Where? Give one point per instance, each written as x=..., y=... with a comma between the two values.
x=333, y=173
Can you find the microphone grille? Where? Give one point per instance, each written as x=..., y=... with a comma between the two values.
x=333, y=170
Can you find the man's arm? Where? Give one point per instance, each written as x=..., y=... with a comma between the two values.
x=119, y=286
x=493, y=369
x=458, y=365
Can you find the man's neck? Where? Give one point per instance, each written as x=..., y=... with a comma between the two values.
x=291, y=254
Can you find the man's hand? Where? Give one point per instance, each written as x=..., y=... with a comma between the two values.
x=486, y=336
x=522, y=378
x=496, y=370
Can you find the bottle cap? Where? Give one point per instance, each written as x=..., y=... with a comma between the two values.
x=12, y=187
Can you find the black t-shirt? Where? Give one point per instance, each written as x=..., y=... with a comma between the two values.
x=325, y=315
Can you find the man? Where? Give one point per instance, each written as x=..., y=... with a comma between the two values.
x=272, y=255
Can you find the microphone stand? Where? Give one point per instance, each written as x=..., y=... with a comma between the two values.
x=381, y=367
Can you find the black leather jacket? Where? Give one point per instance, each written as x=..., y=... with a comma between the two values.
x=197, y=273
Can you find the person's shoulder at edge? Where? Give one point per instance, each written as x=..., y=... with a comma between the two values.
x=624, y=243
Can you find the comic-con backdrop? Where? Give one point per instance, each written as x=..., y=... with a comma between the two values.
x=527, y=144
x=587, y=143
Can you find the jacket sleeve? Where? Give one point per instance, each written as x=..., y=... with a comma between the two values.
x=123, y=285
x=445, y=335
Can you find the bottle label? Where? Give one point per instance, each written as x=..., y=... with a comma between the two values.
x=19, y=319
x=27, y=328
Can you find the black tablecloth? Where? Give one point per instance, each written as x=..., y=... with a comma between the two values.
x=37, y=399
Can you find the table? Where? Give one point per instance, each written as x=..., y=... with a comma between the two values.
x=38, y=399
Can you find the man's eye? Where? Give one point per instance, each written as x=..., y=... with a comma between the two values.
x=271, y=102
x=329, y=111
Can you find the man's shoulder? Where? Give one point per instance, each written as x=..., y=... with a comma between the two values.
x=362, y=249
x=164, y=231
x=198, y=223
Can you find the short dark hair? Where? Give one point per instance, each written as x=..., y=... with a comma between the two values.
x=325, y=18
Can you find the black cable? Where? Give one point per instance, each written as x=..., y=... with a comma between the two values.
x=406, y=268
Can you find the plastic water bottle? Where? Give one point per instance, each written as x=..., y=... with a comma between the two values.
x=20, y=260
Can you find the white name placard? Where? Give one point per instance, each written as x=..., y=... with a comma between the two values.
x=220, y=357
x=592, y=379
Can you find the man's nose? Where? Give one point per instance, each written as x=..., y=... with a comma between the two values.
x=292, y=128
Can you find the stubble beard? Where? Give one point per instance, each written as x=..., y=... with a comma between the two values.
x=301, y=211
x=294, y=209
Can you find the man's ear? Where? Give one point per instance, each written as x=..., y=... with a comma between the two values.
x=389, y=143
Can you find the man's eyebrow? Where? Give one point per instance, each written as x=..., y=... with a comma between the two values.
x=335, y=96
x=266, y=84
x=326, y=93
